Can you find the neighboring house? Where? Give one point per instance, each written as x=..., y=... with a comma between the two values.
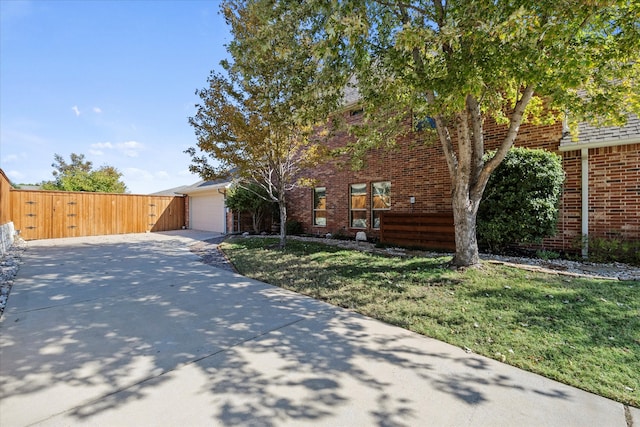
x=205, y=208
x=413, y=177
x=205, y=205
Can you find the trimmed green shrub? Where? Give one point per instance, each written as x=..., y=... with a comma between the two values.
x=520, y=203
x=294, y=227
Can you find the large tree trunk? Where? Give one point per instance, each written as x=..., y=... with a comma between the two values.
x=464, y=217
x=469, y=174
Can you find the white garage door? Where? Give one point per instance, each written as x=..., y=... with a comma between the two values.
x=207, y=212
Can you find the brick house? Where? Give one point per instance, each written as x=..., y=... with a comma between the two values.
x=601, y=194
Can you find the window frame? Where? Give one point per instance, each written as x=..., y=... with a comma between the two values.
x=375, y=210
x=359, y=210
x=316, y=199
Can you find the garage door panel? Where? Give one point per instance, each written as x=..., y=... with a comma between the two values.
x=207, y=213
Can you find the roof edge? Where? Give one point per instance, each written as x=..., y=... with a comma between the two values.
x=208, y=188
x=574, y=146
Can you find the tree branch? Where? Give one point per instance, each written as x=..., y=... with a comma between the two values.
x=473, y=108
x=507, y=142
x=445, y=138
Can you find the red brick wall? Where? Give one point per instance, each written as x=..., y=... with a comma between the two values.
x=418, y=168
x=403, y=166
x=614, y=193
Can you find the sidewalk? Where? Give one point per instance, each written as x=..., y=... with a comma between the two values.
x=134, y=330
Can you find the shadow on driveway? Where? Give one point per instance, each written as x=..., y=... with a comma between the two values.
x=134, y=330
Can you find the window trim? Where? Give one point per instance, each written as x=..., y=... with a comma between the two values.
x=315, y=209
x=351, y=208
x=373, y=209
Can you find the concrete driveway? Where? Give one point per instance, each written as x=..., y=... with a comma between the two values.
x=133, y=330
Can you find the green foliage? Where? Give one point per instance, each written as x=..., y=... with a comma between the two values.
x=256, y=118
x=547, y=255
x=613, y=249
x=247, y=197
x=463, y=61
x=250, y=197
x=294, y=227
x=340, y=234
x=520, y=203
x=79, y=175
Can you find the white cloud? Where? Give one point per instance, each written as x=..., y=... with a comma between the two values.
x=15, y=175
x=137, y=174
x=10, y=158
x=76, y=110
x=96, y=152
x=97, y=110
x=102, y=145
x=128, y=148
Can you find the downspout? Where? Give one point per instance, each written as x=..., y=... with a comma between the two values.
x=585, y=201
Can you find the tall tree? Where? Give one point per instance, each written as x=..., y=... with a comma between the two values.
x=79, y=175
x=461, y=62
x=254, y=121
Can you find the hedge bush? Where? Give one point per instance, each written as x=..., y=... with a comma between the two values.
x=520, y=203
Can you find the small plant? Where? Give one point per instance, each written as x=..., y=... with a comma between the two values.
x=294, y=228
x=340, y=235
x=547, y=255
x=614, y=249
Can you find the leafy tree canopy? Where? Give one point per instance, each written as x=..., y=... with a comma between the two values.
x=462, y=62
x=254, y=119
x=79, y=175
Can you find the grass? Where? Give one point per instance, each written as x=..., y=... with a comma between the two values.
x=582, y=332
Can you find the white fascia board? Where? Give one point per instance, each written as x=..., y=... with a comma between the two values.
x=208, y=188
x=575, y=146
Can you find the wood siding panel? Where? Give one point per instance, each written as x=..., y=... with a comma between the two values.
x=420, y=230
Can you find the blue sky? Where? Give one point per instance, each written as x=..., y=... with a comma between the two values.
x=112, y=79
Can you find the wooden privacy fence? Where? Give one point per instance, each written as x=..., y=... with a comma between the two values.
x=5, y=198
x=53, y=214
x=420, y=230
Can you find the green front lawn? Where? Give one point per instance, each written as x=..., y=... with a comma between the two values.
x=582, y=332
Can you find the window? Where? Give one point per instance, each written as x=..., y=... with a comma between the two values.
x=380, y=200
x=358, y=208
x=320, y=206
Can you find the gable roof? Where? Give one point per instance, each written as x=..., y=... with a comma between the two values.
x=606, y=135
x=170, y=191
x=200, y=186
x=203, y=186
